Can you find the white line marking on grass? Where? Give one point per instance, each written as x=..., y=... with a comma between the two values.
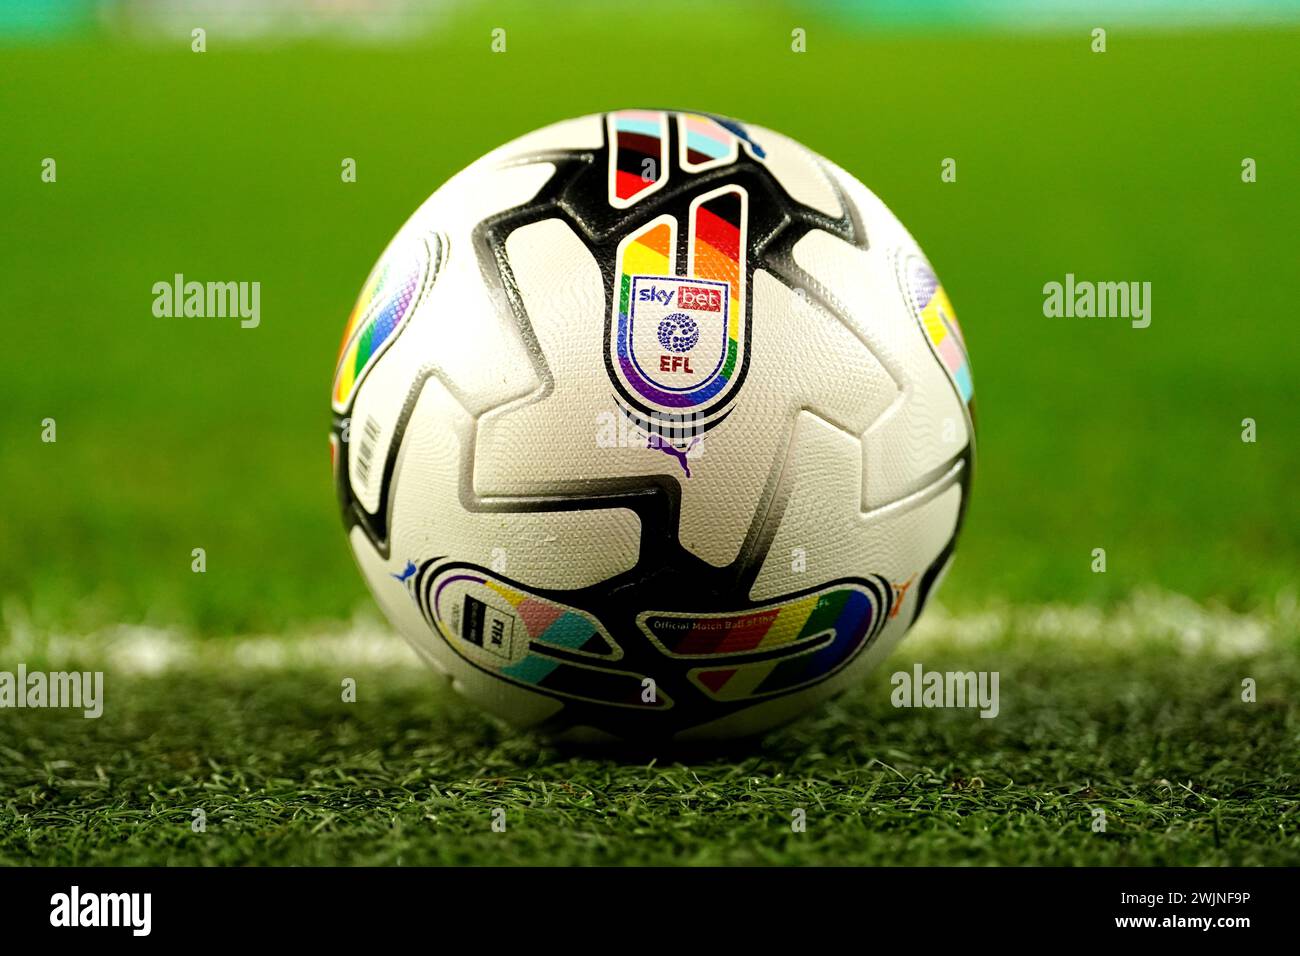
x=150, y=651
x=1149, y=617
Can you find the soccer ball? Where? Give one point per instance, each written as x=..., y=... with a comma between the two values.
x=652, y=425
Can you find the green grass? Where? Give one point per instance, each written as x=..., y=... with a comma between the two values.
x=1150, y=732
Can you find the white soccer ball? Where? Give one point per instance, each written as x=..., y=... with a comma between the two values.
x=652, y=425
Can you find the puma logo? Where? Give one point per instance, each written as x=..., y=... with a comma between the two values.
x=900, y=593
x=406, y=572
x=678, y=453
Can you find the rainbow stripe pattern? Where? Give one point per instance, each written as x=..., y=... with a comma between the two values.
x=717, y=232
x=386, y=302
x=705, y=143
x=940, y=324
x=638, y=155
x=820, y=632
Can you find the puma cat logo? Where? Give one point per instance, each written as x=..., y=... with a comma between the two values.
x=678, y=453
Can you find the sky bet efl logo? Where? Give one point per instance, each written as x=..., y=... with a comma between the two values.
x=678, y=330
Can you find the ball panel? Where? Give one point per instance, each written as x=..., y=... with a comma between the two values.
x=927, y=427
x=824, y=534
x=800, y=171
x=796, y=346
x=435, y=512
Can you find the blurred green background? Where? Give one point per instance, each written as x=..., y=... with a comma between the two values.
x=181, y=433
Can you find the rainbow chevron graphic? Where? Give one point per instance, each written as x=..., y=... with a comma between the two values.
x=528, y=640
x=385, y=303
x=833, y=624
x=939, y=321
